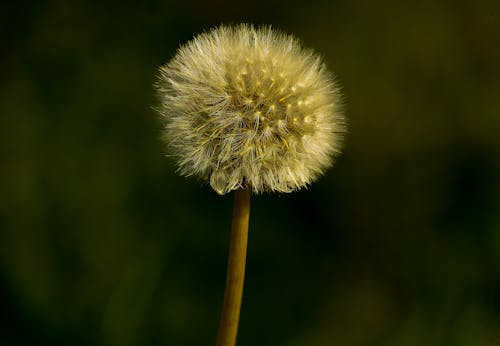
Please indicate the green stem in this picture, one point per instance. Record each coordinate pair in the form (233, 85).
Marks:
(228, 326)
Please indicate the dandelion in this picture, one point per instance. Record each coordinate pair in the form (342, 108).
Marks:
(248, 109)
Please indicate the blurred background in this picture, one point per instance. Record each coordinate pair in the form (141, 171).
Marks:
(101, 243)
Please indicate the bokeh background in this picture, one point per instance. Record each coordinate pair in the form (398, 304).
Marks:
(101, 243)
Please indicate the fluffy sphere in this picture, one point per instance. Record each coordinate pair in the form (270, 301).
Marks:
(248, 107)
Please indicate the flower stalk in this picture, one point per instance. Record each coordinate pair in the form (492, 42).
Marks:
(228, 326)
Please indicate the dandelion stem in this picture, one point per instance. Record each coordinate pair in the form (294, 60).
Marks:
(228, 327)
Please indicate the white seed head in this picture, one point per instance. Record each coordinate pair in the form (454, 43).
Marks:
(248, 107)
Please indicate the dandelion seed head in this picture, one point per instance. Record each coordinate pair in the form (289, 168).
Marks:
(248, 107)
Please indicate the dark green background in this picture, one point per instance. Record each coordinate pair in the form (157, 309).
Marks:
(101, 243)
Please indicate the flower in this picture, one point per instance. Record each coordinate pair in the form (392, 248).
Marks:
(248, 107)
